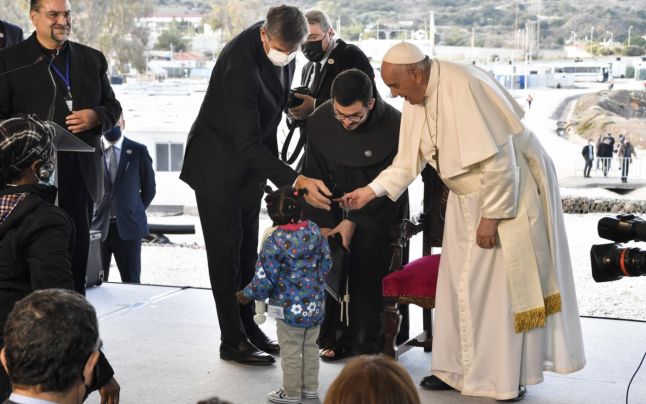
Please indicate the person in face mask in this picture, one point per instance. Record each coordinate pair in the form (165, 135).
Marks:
(36, 237)
(327, 57)
(120, 216)
(231, 150)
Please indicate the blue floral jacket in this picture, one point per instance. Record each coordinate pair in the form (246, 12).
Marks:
(291, 270)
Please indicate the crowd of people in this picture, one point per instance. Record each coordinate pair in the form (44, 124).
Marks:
(605, 152)
(505, 295)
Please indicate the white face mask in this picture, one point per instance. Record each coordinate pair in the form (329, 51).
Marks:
(279, 58)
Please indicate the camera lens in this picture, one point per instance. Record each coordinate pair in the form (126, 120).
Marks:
(613, 261)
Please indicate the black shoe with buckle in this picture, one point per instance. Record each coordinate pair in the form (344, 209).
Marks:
(434, 383)
(246, 354)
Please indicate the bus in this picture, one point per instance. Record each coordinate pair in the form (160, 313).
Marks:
(585, 71)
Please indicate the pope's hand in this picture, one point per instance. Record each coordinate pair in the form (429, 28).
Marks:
(318, 195)
(357, 199)
(486, 233)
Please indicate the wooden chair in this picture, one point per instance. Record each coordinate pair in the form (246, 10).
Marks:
(416, 281)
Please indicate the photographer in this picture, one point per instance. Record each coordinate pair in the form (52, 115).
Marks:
(327, 56)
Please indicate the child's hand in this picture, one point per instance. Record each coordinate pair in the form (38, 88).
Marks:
(242, 299)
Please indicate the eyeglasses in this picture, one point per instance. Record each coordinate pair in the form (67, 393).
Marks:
(53, 15)
(351, 118)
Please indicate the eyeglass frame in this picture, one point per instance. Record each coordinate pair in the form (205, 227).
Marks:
(354, 119)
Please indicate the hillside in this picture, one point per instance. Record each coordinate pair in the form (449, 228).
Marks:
(490, 23)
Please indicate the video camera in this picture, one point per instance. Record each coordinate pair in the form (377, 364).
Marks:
(613, 261)
(293, 101)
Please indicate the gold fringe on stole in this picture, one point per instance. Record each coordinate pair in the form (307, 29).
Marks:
(553, 304)
(527, 320)
(534, 318)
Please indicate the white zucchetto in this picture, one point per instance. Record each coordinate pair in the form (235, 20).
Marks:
(404, 53)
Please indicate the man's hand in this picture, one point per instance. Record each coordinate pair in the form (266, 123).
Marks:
(346, 230)
(325, 231)
(305, 109)
(318, 195)
(79, 121)
(242, 299)
(357, 199)
(110, 392)
(487, 233)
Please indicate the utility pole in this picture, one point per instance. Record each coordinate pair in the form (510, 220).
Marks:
(591, 34)
(431, 33)
(538, 27)
(629, 28)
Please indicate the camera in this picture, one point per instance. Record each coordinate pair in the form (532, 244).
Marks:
(614, 261)
(293, 101)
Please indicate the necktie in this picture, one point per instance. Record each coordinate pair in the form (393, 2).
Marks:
(315, 77)
(113, 164)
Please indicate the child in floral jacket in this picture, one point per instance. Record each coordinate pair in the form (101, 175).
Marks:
(291, 270)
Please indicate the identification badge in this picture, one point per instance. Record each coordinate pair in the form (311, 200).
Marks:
(69, 101)
(275, 312)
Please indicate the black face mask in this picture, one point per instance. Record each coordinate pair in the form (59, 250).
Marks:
(113, 135)
(313, 50)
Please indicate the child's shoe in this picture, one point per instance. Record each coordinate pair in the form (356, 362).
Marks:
(280, 396)
(310, 395)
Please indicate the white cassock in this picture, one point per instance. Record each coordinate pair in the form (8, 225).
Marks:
(503, 315)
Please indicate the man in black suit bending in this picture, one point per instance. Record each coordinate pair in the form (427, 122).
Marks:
(84, 103)
(9, 34)
(231, 149)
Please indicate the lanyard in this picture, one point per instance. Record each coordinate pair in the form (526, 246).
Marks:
(66, 78)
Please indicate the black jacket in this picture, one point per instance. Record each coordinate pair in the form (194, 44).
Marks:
(232, 145)
(343, 57)
(36, 245)
(12, 34)
(30, 91)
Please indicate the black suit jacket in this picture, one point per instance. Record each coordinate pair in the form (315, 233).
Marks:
(12, 33)
(131, 193)
(586, 152)
(232, 145)
(30, 91)
(343, 57)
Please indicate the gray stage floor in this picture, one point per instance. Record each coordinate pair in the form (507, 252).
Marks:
(163, 343)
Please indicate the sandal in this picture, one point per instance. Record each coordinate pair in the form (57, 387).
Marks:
(337, 353)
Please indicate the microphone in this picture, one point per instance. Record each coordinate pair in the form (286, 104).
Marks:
(52, 105)
(38, 60)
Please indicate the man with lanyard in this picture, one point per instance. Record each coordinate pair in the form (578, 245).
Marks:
(328, 56)
(81, 101)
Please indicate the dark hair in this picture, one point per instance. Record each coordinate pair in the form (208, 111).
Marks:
(34, 5)
(372, 379)
(285, 205)
(351, 86)
(48, 338)
(286, 24)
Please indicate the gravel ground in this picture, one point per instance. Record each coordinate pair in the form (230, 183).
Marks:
(183, 263)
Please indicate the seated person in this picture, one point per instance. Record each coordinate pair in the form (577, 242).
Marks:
(352, 137)
(36, 237)
(372, 379)
(51, 347)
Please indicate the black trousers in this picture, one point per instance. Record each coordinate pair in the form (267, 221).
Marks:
(588, 167)
(231, 237)
(74, 199)
(369, 261)
(127, 253)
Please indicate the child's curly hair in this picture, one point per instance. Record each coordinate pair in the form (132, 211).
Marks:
(284, 205)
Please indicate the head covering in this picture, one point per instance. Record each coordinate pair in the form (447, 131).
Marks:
(404, 53)
(23, 140)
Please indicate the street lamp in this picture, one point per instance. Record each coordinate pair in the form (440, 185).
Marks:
(612, 37)
(591, 34)
(573, 37)
(629, 28)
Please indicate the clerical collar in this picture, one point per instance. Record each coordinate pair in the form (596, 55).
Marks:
(50, 52)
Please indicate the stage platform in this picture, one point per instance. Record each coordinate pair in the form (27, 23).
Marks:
(163, 344)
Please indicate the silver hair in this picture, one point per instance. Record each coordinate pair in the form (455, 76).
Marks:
(424, 64)
(318, 17)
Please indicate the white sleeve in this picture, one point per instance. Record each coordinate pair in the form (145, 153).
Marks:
(500, 177)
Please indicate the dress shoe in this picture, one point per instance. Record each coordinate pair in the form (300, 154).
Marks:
(265, 344)
(521, 394)
(434, 383)
(245, 353)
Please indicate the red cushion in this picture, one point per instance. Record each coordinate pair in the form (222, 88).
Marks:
(417, 279)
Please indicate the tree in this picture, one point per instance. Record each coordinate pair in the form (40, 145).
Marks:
(233, 16)
(172, 38)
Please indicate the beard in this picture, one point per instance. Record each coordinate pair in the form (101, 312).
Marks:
(60, 33)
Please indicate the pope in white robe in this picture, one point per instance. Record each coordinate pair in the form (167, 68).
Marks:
(506, 306)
